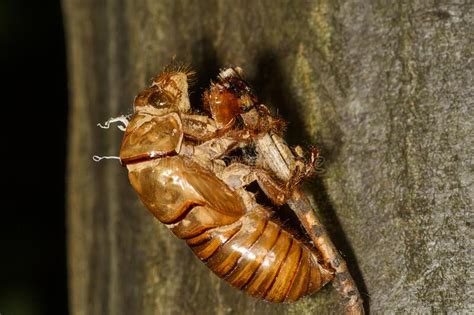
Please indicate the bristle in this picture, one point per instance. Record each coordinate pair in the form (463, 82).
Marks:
(178, 66)
(181, 67)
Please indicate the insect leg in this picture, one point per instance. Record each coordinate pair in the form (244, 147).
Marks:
(238, 175)
(202, 128)
(198, 127)
(303, 167)
(214, 148)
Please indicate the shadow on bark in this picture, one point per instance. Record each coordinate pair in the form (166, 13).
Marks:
(206, 65)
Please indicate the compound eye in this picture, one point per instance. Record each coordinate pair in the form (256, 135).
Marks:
(161, 99)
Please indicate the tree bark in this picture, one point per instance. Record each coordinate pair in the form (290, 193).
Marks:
(385, 91)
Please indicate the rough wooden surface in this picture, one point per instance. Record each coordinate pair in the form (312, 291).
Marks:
(385, 90)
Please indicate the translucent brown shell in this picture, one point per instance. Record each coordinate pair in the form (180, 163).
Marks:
(247, 249)
(240, 244)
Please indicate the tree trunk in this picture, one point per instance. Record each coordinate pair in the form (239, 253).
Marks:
(384, 90)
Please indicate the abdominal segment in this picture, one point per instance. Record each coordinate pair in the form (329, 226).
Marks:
(257, 256)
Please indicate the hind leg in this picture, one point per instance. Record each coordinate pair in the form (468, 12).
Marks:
(239, 175)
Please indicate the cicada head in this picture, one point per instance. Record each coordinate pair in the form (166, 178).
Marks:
(169, 91)
(155, 130)
(229, 97)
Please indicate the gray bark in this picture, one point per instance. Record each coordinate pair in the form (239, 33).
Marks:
(384, 88)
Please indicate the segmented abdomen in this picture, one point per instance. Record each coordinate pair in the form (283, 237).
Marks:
(244, 247)
(256, 255)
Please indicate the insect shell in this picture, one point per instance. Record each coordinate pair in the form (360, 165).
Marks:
(175, 169)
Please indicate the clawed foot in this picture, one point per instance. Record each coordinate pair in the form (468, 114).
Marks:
(280, 192)
(304, 168)
(268, 123)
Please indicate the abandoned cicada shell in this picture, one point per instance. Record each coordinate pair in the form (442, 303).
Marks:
(177, 164)
(175, 168)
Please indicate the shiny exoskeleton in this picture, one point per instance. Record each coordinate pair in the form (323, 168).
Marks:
(173, 159)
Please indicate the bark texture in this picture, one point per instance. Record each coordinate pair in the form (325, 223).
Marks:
(384, 88)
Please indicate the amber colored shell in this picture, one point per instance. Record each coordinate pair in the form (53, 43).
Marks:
(256, 255)
(172, 187)
(241, 245)
(150, 136)
(246, 249)
(223, 105)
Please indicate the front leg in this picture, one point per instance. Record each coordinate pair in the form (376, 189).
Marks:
(199, 127)
(216, 141)
(238, 175)
(215, 148)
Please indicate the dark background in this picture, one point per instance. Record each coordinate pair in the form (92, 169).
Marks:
(33, 150)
